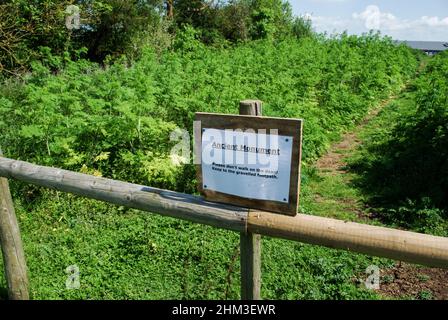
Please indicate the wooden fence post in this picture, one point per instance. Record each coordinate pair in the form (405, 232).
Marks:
(11, 245)
(250, 243)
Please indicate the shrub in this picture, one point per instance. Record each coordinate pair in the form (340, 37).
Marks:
(406, 169)
(117, 121)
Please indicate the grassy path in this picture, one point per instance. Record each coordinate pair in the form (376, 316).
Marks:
(331, 189)
(332, 192)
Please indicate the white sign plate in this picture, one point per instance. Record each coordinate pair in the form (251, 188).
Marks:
(247, 164)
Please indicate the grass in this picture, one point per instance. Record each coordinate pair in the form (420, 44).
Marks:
(382, 125)
(127, 254)
(332, 196)
(417, 214)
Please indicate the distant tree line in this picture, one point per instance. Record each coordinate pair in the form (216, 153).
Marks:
(31, 29)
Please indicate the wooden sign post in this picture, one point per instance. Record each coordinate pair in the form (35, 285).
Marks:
(249, 161)
(250, 243)
(11, 246)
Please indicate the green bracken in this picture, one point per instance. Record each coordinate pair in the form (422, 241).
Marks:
(116, 122)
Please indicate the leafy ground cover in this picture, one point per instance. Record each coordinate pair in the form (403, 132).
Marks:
(116, 122)
(338, 189)
(403, 164)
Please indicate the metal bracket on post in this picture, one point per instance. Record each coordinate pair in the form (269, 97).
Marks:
(250, 243)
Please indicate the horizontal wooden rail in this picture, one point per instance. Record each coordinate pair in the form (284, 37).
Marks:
(363, 238)
(372, 240)
(169, 203)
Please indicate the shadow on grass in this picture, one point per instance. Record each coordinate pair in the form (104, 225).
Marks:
(3, 293)
(405, 175)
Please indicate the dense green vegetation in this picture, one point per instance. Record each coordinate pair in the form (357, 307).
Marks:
(112, 29)
(105, 99)
(404, 167)
(126, 254)
(117, 121)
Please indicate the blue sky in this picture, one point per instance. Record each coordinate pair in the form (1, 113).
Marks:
(401, 19)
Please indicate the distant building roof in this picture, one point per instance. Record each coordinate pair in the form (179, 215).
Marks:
(427, 45)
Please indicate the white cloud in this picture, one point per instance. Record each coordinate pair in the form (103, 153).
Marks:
(372, 18)
(434, 22)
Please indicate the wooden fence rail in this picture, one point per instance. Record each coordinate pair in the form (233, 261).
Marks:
(372, 240)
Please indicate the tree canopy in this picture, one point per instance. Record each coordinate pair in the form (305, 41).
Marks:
(112, 28)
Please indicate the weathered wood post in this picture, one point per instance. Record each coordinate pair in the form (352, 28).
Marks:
(250, 243)
(11, 245)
